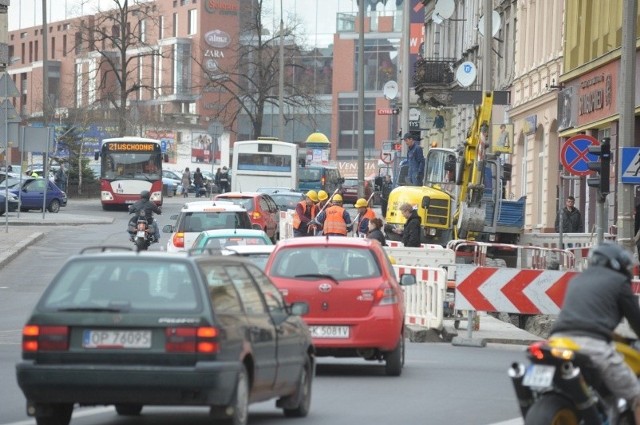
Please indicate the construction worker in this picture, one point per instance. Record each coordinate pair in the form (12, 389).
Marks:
(365, 214)
(335, 220)
(305, 212)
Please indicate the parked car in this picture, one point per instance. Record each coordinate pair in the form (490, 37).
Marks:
(350, 190)
(223, 238)
(196, 217)
(287, 200)
(32, 195)
(131, 330)
(262, 210)
(12, 204)
(356, 302)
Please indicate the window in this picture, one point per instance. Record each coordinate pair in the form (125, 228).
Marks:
(143, 31)
(175, 24)
(30, 51)
(35, 46)
(380, 66)
(23, 52)
(348, 119)
(161, 28)
(222, 293)
(53, 48)
(247, 289)
(78, 85)
(78, 46)
(273, 297)
(192, 22)
(64, 45)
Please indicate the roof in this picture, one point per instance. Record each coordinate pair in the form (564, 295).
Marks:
(238, 195)
(211, 206)
(249, 249)
(329, 241)
(235, 232)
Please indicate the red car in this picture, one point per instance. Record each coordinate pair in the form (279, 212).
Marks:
(356, 304)
(262, 210)
(350, 190)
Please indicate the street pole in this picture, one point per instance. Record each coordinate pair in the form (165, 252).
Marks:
(406, 72)
(6, 151)
(281, 79)
(362, 9)
(626, 130)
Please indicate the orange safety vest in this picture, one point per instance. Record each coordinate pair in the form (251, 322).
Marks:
(334, 221)
(296, 217)
(369, 214)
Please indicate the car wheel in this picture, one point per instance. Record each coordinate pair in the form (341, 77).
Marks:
(301, 399)
(240, 406)
(54, 206)
(60, 415)
(394, 360)
(128, 409)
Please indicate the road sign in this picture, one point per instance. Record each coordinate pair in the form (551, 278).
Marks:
(387, 146)
(414, 125)
(575, 155)
(387, 111)
(631, 165)
(387, 157)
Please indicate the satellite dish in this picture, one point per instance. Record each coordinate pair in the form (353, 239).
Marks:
(495, 24)
(444, 9)
(436, 18)
(466, 74)
(390, 90)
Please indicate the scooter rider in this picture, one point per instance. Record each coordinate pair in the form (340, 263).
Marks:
(595, 302)
(144, 204)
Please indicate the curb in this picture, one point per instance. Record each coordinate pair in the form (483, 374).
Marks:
(21, 246)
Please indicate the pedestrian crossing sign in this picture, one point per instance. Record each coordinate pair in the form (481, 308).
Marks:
(631, 165)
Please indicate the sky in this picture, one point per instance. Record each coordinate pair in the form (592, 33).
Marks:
(314, 14)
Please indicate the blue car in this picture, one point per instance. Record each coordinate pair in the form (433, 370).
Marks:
(32, 194)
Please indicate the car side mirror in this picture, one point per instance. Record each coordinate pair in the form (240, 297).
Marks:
(168, 228)
(299, 308)
(407, 280)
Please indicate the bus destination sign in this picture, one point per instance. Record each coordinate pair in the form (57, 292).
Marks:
(132, 147)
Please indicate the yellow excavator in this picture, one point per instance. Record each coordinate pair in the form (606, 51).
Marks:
(462, 194)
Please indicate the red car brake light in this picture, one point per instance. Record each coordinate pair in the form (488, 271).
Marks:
(45, 338)
(256, 215)
(323, 179)
(191, 340)
(178, 240)
(385, 295)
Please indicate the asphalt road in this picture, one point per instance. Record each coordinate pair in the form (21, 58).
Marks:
(440, 384)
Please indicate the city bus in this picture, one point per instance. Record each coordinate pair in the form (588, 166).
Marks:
(264, 163)
(129, 165)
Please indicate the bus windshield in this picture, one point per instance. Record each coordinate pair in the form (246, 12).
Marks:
(264, 162)
(119, 165)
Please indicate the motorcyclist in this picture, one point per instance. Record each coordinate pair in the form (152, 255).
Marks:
(595, 302)
(144, 204)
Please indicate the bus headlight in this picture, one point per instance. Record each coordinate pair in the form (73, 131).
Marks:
(106, 196)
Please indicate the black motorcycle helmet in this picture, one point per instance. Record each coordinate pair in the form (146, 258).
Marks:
(145, 195)
(612, 256)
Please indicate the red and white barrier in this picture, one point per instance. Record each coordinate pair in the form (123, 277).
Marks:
(424, 302)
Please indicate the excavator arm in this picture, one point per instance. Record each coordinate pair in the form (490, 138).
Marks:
(470, 214)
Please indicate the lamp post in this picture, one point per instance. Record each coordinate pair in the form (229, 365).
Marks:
(281, 80)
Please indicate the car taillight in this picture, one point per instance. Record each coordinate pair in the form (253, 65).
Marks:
(191, 340)
(323, 179)
(45, 338)
(178, 240)
(385, 295)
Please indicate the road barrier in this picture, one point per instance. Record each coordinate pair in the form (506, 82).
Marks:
(424, 302)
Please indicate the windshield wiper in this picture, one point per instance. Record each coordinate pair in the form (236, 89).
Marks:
(320, 276)
(92, 309)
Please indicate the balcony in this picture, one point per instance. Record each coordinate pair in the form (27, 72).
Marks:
(433, 79)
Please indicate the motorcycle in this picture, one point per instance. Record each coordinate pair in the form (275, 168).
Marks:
(560, 386)
(142, 233)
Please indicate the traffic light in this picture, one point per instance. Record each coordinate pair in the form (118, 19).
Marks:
(602, 167)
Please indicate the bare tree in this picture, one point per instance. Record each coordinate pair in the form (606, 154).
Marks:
(249, 80)
(109, 37)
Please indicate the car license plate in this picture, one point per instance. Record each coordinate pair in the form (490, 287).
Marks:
(329, 331)
(130, 339)
(140, 234)
(540, 376)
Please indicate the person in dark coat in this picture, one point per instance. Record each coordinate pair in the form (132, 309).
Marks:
(385, 191)
(375, 231)
(412, 228)
(198, 182)
(571, 218)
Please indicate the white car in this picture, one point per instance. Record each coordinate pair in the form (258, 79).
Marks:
(196, 217)
(257, 254)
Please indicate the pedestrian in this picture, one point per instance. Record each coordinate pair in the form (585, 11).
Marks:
(61, 178)
(365, 214)
(571, 218)
(224, 180)
(594, 304)
(186, 182)
(198, 182)
(412, 228)
(385, 191)
(415, 160)
(335, 220)
(216, 179)
(305, 213)
(375, 231)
